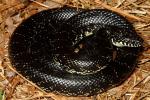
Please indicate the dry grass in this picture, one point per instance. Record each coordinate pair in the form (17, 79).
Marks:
(14, 87)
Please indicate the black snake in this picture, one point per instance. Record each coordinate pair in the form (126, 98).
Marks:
(75, 52)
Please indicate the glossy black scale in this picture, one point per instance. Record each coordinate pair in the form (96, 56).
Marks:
(71, 52)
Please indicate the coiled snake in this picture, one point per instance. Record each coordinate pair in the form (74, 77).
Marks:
(75, 52)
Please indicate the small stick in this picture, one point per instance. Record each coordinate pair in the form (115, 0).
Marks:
(41, 4)
(142, 97)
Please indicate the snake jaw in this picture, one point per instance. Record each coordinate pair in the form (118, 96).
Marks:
(126, 42)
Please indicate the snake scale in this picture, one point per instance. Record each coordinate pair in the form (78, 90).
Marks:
(75, 52)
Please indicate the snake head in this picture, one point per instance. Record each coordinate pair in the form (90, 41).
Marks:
(126, 42)
(125, 38)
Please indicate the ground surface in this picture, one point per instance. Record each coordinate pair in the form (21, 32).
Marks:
(15, 87)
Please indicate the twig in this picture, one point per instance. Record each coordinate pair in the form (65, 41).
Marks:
(120, 3)
(41, 4)
(40, 96)
(144, 26)
(143, 96)
(140, 81)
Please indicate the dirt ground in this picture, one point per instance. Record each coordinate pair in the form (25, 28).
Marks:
(15, 87)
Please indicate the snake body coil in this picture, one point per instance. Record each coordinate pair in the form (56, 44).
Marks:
(72, 52)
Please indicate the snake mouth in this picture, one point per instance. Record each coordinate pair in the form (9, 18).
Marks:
(126, 42)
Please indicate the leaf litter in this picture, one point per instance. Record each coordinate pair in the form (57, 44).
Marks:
(13, 86)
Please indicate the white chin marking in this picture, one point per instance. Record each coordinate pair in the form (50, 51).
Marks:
(88, 33)
(118, 44)
(121, 44)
